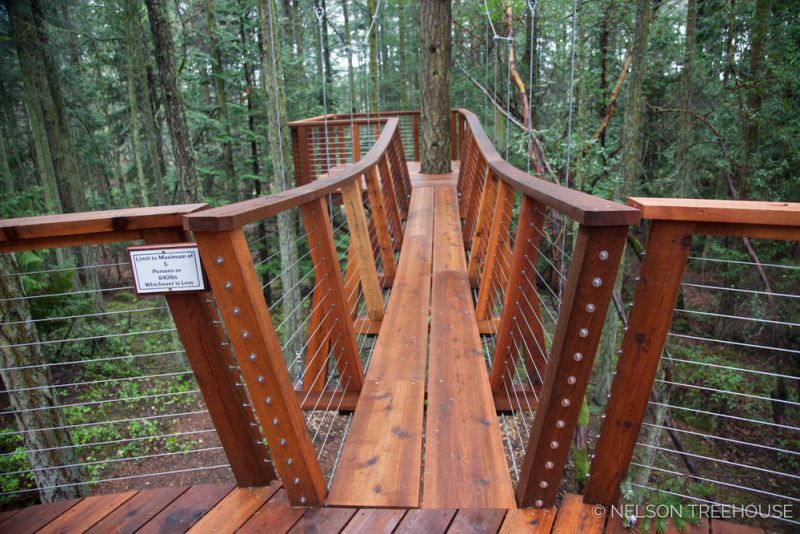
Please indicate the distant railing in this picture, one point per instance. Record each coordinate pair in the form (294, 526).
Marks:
(96, 391)
(311, 352)
(543, 260)
(704, 406)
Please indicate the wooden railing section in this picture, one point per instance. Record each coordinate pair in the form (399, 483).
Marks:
(233, 278)
(201, 338)
(673, 225)
(487, 186)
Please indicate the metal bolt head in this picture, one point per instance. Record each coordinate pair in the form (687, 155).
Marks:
(236, 311)
(219, 260)
(282, 442)
(584, 332)
(260, 379)
(597, 282)
(252, 357)
(571, 380)
(245, 334)
(603, 255)
(590, 308)
(276, 421)
(296, 481)
(228, 286)
(578, 356)
(268, 401)
(543, 484)
(303, 500)
(290, 461)
(553, 444)
(539, 503)
(565, 402)
(548, 465)
(560, 423)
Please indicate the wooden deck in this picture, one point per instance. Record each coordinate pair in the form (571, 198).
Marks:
(224, 508)
(430, 306)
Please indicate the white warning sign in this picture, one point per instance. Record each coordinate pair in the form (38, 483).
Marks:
(166, 269)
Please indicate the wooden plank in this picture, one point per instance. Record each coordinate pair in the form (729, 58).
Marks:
(226, 402)
(480, 238)
(615, 525)
(539, 520)
(230, 270)
(575, 516)
(34, 518)
(718, 211)
(355, 134)
(756, 231)
(186, 510)
(323, 520)
(380, 461)
(344, 401)
(465, 464)
(235, 509)
(489, 326)
(480, 521)
(275, 517)
(378, 217)
(374, 521)
(363, 325)
(95, 222)
(86, 513)
(415, 135)
(498, 234)
(359, 237)
(5, 516)
(315, 375)
(137, 511)
(391, 201)
(726, 527)
(428, 521)
(595, 259)
(668, 247)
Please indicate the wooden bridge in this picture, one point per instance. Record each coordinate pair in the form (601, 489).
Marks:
(484, 292)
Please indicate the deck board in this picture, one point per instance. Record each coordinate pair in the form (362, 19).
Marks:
(465, 465)
(182, 513)
(235, 509)
(34, 518)
(86, 513)
(137, 511)
(381, 458)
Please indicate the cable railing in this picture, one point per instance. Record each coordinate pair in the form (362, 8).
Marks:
(704, 406)
(101, 389)
(542, 260)
(304, 333)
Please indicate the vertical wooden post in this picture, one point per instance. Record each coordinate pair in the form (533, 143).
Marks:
(595, 261)
(466, 149)
(519, 293)
(230, 271)
(379, 221)
(355, 132)
(390, 201)
(400, 173)
(480, 238)
(342, 159)
(301, 153)
(326, 270)
(316, 371)
(453, 140)
(668, 247)
(227, 403)
(498, 233)
(323, 149)
(415, 130)
(359, 237)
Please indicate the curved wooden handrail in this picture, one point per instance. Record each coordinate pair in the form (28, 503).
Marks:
(719, 211)
(239, 214)
(584, 208)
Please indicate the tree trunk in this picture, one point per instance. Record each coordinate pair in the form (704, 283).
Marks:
(131, 42)
(188, 184)
(435, 18)
(218, 72)
(401, 45)
(251, 119)
(755, 92)
(350, 80)
(18, 329)
(373, 57)
(279, 147)
(685, 135)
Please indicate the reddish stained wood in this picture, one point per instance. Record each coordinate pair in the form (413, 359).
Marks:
(415, 135)
(225, 401)
(86, 513)
(315, 375)
(453, 146)
(374, 521)
(719, 211)
(756, 231)
(137, 511)
(327, 271)
(258, 351)
(5, 516)
(94, 222)
(615, 525)
(591, 276)
(352, 281)
(186, 510)
(478, 521)
(275, 517)
(323, 520)
(338, 398)
(69, 241)
(539, 520)
(726, 527)
(575, 516)
(235, 509)
(466, 155)
(380, 461)
(364, 325)
(668, 247)
(33, 518)
(391, 201)
(521, 322)
(465, 464)
(400, 172)
(498, 233)
(428, 521)
(483, 225)
(378, 217)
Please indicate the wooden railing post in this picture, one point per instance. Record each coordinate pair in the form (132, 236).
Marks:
(391, 204)
(668, 247)
(595, 261)
(230, 271)
(360, 240)
(496, 240)
(355, 134)
(453, 140)
(227, 404)
(415, 135)
(483, 225)
(396, 152)
(521, 299)
(379, 221)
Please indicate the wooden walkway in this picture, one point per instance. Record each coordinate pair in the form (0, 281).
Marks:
(463, 464)
(223, 509)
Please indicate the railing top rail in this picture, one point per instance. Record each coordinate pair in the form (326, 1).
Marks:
(239, 214)
(584, 208)
(15, 233)
(719, 211)
(345, 117)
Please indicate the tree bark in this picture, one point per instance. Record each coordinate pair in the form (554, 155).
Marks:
(350, 77)
(435, 18)
(129, 11)
(685, 133)
(188, 184)
(755, 91)
(16, 328)
(401, 45)
(373, 57)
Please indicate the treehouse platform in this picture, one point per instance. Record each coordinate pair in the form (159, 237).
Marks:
(420, 364)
